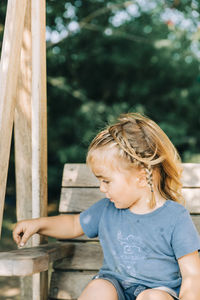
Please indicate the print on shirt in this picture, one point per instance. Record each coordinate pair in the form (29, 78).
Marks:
(132, 251)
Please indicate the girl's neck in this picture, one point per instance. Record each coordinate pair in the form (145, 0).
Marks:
(142, 206)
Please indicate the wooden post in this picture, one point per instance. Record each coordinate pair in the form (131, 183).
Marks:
(23, 126)
(31, 119)
(39, 110)
(31, 136)
(23, 140)
(39, 131)
(9, 67)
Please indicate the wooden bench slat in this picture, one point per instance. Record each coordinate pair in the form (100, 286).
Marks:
(79, 175)
(81, 256)
(28, 261)
(79, 199)
(196, 220)
(192, 198)
(191, 175)
(69, 285)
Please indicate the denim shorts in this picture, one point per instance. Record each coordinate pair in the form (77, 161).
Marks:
(132, 292)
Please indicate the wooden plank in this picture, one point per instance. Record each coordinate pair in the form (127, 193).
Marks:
(81, 256)
(69, 285)
(9, 67)
(28, 261)
(82, 238)
(23, 141)
(79, 199)
(196, 220)
(192, 199)
(191, 175)
(23, 126)
(39, 131)
(39, 110)
(79, 175)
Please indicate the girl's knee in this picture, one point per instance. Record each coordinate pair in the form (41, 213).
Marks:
(99, 289)
(153, 294)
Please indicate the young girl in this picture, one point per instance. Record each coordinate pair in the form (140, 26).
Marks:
(149, 242)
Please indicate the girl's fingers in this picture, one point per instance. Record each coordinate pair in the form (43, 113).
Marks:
(18, 234)
(23, 231)
(24, 238)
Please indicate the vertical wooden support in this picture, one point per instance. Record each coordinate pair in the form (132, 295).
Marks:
(39, 110)
(8, 82)
(39, 130)
(31, 136)
(23, 125)
(23, 139)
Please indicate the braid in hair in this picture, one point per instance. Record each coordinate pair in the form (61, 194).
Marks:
(142, 142)
(149, 177)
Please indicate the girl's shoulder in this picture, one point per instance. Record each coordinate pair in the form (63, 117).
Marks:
(175, 205)
(176, 208)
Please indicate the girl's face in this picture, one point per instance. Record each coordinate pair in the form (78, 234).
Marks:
(122, 186)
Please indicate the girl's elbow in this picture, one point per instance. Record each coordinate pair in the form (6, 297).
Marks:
(78, 231)
(191, 287)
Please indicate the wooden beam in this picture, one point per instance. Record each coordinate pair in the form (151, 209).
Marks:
(79, 175)
(23, 125)
(31, 136)
(39, 132)
(10, 58)
(23, 140)
(28, 261)
(39, 110)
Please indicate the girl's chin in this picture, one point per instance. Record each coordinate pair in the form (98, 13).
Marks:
(117, 205)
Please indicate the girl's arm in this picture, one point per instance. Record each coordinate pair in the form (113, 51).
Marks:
(61, 227)
(190, 270)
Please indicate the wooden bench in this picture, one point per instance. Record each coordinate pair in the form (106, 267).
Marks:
(76, 261)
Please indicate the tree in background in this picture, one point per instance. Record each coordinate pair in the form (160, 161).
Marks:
(109, 57)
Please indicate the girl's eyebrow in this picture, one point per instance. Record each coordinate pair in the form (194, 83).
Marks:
(100, 176)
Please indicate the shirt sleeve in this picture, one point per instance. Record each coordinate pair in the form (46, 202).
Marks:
(90, 218)
(185, 238)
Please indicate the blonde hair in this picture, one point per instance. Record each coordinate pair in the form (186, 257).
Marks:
(142, 143)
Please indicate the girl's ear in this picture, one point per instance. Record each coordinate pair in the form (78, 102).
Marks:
(142, 178)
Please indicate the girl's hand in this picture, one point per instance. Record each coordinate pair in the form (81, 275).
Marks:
(24, 230)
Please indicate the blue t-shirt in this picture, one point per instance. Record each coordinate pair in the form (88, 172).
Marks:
(142, 248)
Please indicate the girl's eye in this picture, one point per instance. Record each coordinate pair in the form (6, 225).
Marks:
(105, 181)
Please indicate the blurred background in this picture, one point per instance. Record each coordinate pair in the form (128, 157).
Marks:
(109, 57)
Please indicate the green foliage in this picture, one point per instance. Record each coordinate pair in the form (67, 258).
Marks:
(109, 57)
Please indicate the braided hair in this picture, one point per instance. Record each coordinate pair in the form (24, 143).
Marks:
(142, 143)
